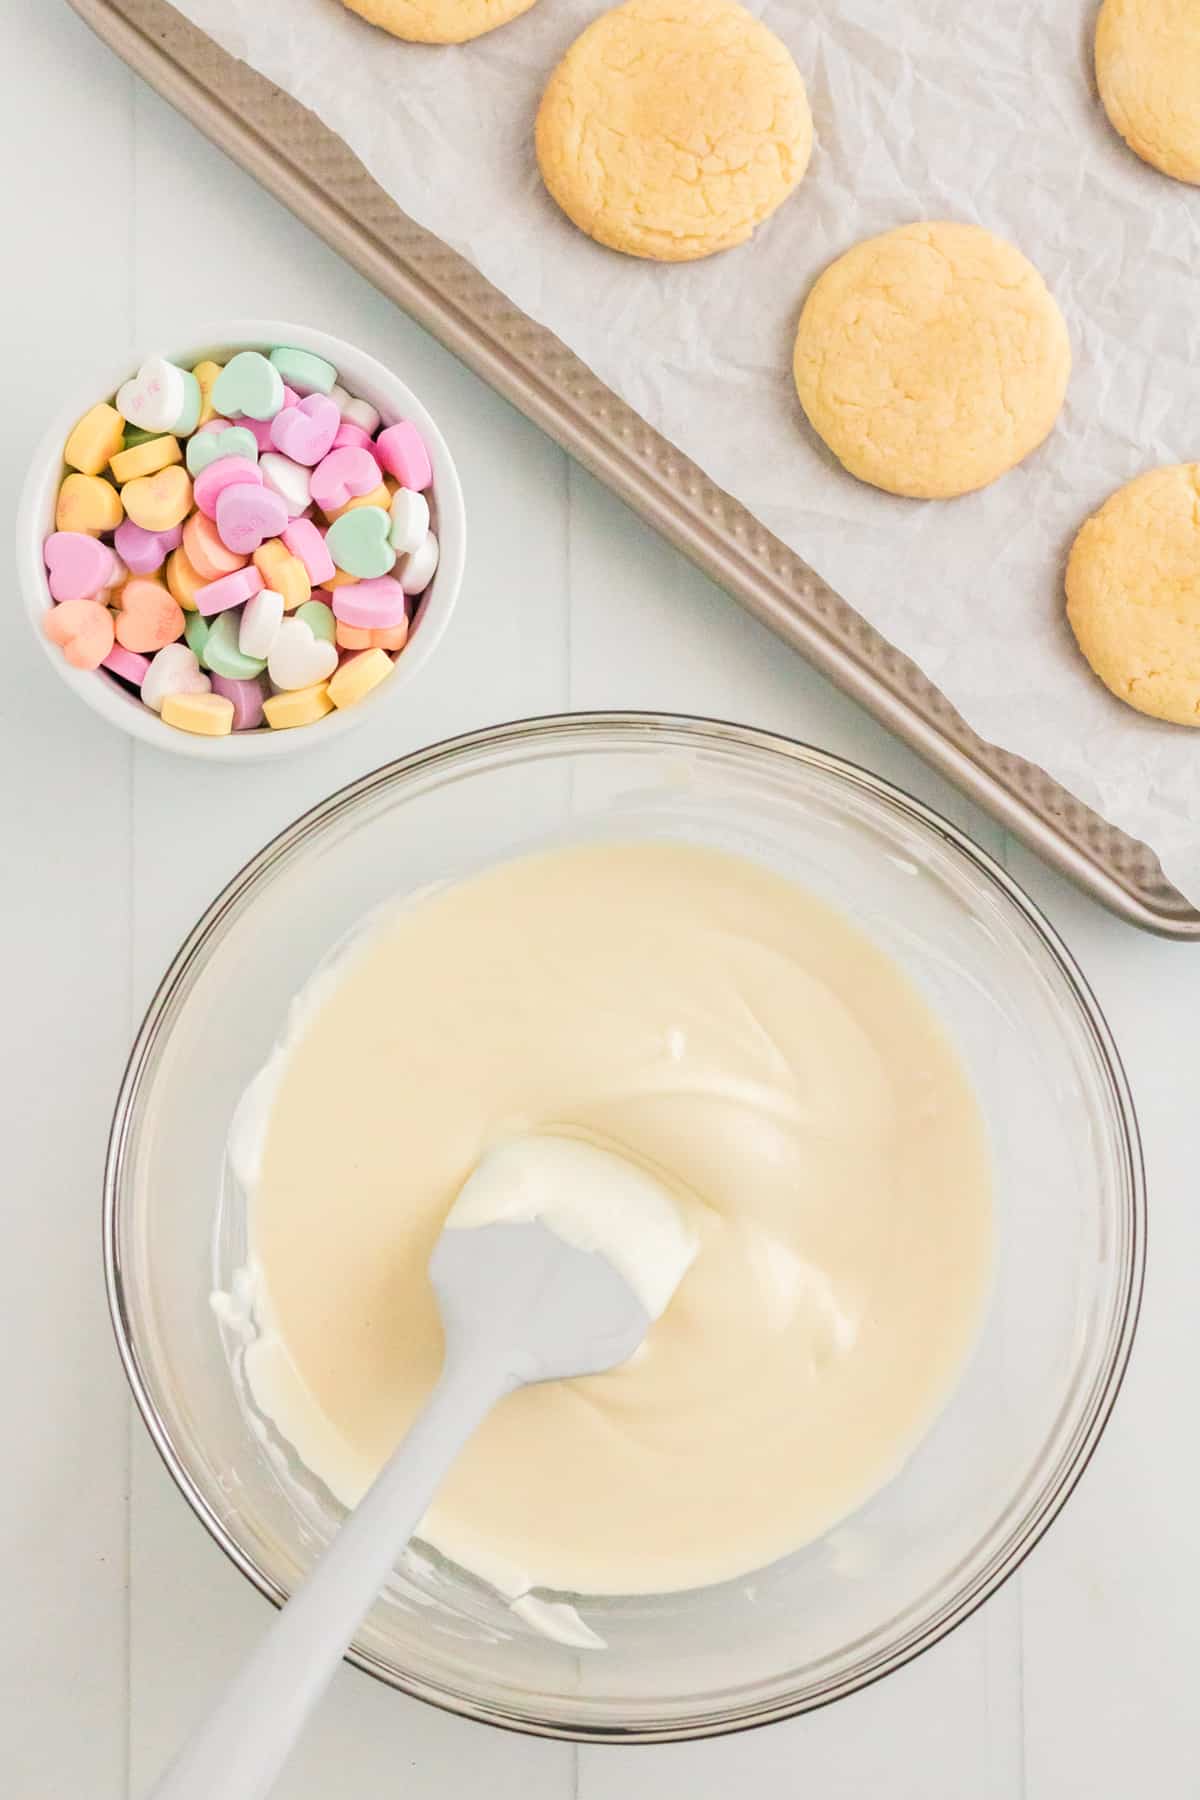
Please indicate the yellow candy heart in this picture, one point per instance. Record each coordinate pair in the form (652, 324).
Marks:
(182, 579)
(284, 573)
(206, 373)
(145, 459)
(207, 715)
(88, 503)
(299, 706)
(98, 435)
(378, 496)
(156, 502)
(358, 675)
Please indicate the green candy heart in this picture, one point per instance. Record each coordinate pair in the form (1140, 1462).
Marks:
(304, 372)
(248, 385)
(189, 418)
(360, 542)
(196, 629)
(209, 446)
(319, 619)
(221, 653)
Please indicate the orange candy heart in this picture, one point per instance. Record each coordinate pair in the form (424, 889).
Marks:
(83, 630)
(205, 551)
(157, 502)
(356, 637)
(88, 503)
(149, 618)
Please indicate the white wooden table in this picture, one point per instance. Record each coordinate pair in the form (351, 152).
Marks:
(125, 229)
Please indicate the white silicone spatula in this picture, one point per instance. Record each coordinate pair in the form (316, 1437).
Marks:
(556, 1258)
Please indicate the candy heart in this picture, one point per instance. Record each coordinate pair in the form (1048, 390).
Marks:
(145, 459)
(230, 590)
(227, 471)
(290, 480)
(149, 618)
(183, 579)
(358, 675)
(358, 542)
(205, 551)
(206, 373)
(353, 437)
(155, 397)
(302, 370)
(222, 654)
(360, 413)
(261, 428)
(83, 630)
(354, 637)
(246, 514)
(206, 715)
(88, 503)
(173, 671)
(247, 699)
(307, 541)
(210, 446)
(261, 619)
(144, 552)
(195, 633)
(283, 572)
(415, 572)
(157, 502)
(401, 451)
(79, 566)
(373, 605)
(127, 664)
(99, 434)
(410, 520)
(319, 619)
(298, 659)
(248, 384)
(306, 431)
(343, 475)
(193, 402)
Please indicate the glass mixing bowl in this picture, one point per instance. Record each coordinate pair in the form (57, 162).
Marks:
(1070, 1220)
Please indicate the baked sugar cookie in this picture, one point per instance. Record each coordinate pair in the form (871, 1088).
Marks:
(931, 359)
(1133, 593)
(438, 21)
(671, 128)
(1148, 71)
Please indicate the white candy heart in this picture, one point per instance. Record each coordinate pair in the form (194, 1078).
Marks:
(261, 619)
(173, 671)
(339, 396)
(410, 521)
(298, 659)
(415, 572)
(154, 399)
(289, 480)
(360, 413)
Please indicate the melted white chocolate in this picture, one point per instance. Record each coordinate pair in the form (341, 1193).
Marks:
(719, 1025)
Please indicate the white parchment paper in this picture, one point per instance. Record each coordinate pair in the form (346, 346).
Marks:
(973, 109)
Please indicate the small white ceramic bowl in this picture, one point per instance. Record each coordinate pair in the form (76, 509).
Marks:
(362, 376)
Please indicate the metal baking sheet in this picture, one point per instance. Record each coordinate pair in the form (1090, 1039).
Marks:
(311, 171)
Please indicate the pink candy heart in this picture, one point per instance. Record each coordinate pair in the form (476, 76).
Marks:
(79, 566)
(247, 514)
(401, 451)
(353, 437)
(306, 432)
(344, 475)
(143, 552)
(227, 471)
(307, 541)
(371, 605)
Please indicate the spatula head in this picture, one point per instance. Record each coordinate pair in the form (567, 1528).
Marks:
(520, 1294)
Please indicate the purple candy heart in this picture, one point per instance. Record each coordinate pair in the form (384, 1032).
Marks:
(246, 514)
(306, 431)
(247, 697)
(144, 551)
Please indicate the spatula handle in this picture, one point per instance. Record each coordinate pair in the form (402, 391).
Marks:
(241, 1747)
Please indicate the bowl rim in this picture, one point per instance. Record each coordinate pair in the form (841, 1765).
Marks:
(1076, 1456)
(121, 709)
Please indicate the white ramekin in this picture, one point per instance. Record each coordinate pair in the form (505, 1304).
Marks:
(361, 375)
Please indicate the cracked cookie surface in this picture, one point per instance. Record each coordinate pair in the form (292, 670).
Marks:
(438, 21)
(931, 359)
(1148, 73)
(671, 128)
(1133, 593)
